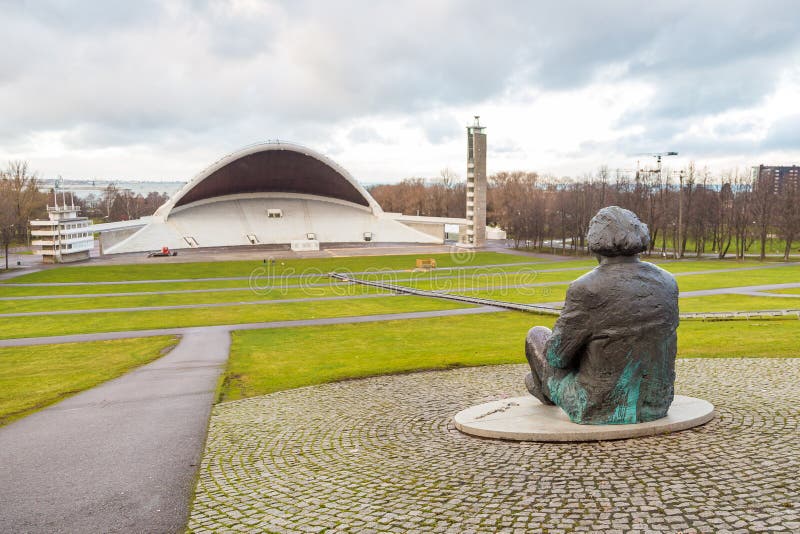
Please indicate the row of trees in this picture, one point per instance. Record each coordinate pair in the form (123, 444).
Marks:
(120, 204)
(22, 199)
(687, 212)
(443, 196)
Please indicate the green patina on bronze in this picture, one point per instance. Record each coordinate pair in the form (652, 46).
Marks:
(610, 358)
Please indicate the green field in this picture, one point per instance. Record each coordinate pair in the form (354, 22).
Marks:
(720, 274)
(489, 282)
(264, 361)
(34, 377)
(55, 325)
(774, 275)
(172, 271)
(244, 295)
(7, 290)
(529, 295)
(728, 303)
(269, 360)
(791, 291)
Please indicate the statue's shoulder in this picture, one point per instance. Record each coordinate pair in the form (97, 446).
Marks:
(585, 279)
(655, 268)
(657, 272)
(585, 284)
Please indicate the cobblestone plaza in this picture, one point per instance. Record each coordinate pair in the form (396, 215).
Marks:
(382, 455)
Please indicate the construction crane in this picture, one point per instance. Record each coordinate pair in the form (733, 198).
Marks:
(677, 243)
(658, 155)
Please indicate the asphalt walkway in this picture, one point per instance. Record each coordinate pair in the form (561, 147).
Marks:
(104, 336)
(741, 290)
(121, 457)
(14, 273)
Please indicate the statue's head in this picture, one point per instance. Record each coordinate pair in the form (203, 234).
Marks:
(615, 231)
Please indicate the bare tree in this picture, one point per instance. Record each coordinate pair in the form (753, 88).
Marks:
(21, 200)
(714, 212)
(7, 218)
(789, 216)
(763, 188)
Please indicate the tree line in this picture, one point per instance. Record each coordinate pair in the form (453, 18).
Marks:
(688, 212)
(22, 199)
(115, 204)
(443, 196)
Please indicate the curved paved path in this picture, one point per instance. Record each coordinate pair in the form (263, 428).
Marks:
(740, 290)
(117, 458)
(763, 294)
(382, 454)
(14, 273)
(103, 336)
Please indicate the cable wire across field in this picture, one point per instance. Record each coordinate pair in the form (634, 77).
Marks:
(545, 310)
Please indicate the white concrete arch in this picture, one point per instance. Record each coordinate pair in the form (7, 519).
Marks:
(166, 209)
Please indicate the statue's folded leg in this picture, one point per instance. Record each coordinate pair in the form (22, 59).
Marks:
(541, 371)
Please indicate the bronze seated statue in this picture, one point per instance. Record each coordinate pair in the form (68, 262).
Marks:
(610, 358)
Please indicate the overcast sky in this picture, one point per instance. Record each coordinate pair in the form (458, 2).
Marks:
(160, 90)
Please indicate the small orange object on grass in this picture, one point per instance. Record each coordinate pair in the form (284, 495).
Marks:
(426, 263)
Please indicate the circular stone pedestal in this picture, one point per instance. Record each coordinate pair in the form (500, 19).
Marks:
(527, 419)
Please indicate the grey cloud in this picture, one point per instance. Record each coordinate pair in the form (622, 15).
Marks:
(784, 134)
(81, 16)
(440, 128)
(506, 147)
(119, 73)
(365, 134)
(725, 141)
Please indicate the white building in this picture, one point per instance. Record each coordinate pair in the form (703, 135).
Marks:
(271, 194)
(65, 236)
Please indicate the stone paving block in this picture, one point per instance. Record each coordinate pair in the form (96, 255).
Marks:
(382, 455)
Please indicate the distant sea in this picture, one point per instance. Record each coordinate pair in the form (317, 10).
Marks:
(83, 188)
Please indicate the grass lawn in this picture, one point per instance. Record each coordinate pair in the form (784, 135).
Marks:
(291, 292)
(724, 303)
(692, 265)
(758, 338)
(167, 271)
(89, 288)
(264, 361)
(34, 377)
(711, 303)
(775, 275)
(496, 277)
(791, 291)
(526, 295)
(489, 280)
(55, 325)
